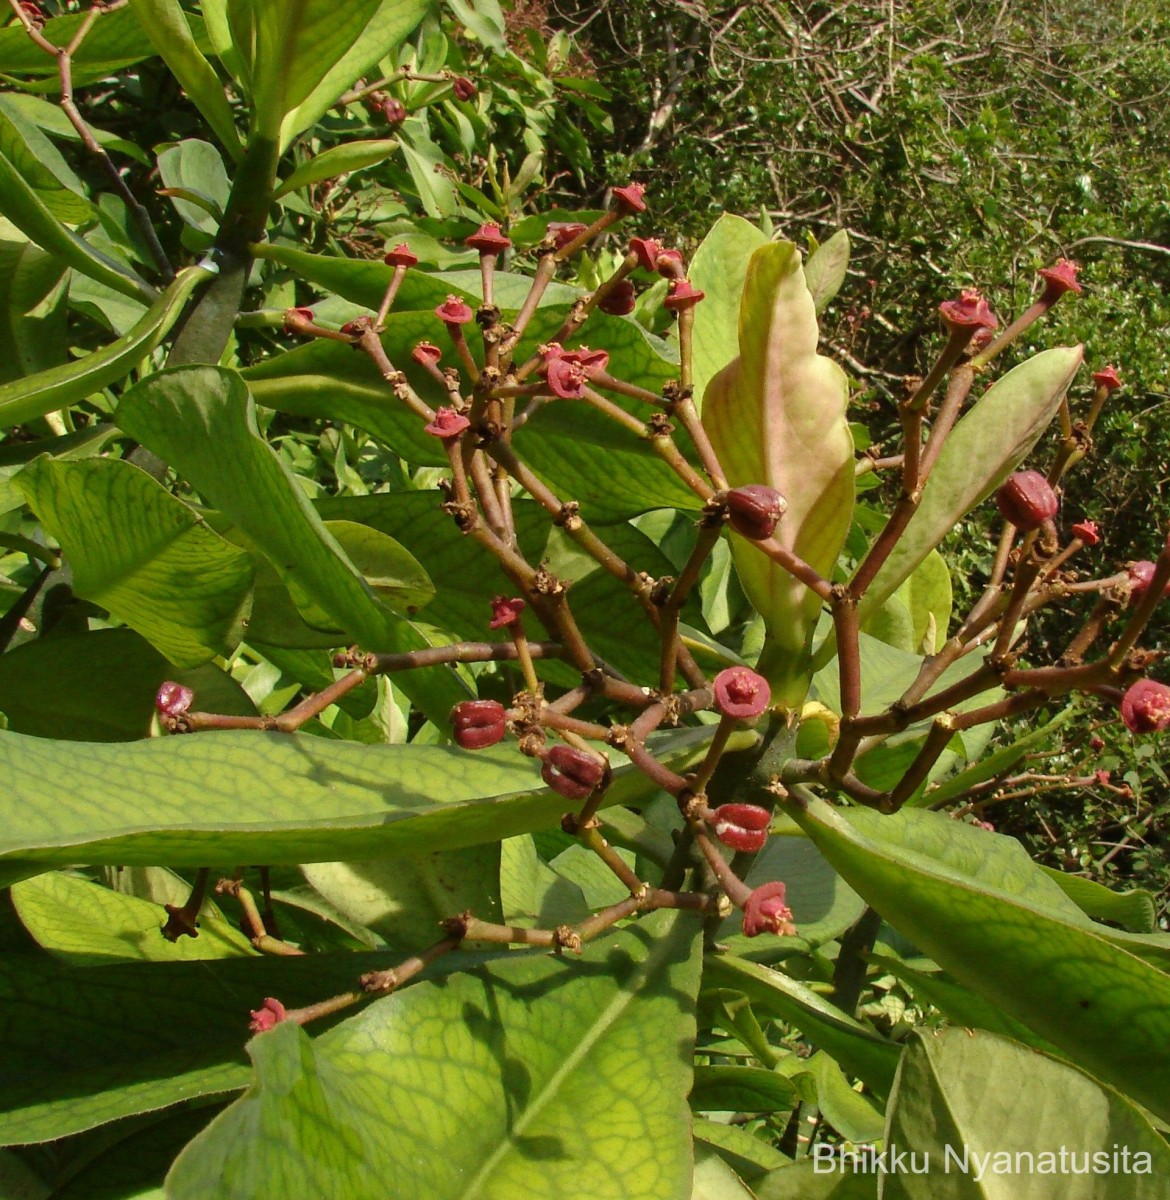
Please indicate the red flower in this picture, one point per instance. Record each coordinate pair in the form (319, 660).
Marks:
(173, 699)
(394, 111)
(401, 256)
(505, 611)
(295, 319)
(741, 693)
(970, 311)
(463, 88)
(742, 826)
(426, 354)
(566, 378)
(267, 1016)
(670, 264)
(620, 300)
(754, 510)
(563, 232)
(571, 772)
(454, 312)
(33, 12)
(592, 362)
(680, 294)
(1145, 707)
(766, 912)
(1107, 378)
(447, 424)
(488, 239)
(1141, 575)
(1087, 532)
(1059, 278)
(647, 251)
(476, 724)
(1027, 500)
(629, 198)
(356, 327)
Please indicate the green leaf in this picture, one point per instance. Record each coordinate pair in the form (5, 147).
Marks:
(824, 272)
(194, 170)
(741, 1089)
(715, 1180)
(100, 686)
(991, 919)
(275, 798)
(394, 574)
(776, 415)
(116, 40)
(449, 1091)
(143, 555)
(747, 1154)
(985, 446)
(967, 1103)
(32, 333)
(89, 925)
(532, 893)
(43, 168)
(804, 1181)
(1134, 910)
(338, 160)
(170, 33)
(484, 20)
(23, 400)
(916, 616)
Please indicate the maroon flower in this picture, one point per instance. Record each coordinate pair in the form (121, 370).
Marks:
(563, 232)
(447, 424)
(463, 88)
(619, 301)
(505, 611)
(766, 912)
(454, 312)
(571, 772)
(680, 294)
(592, 362)
(741, 693)
(566, 378)
(401, 256)
(1059, 278)
(670, 264)
(476, 724)
(295, 319)
(1097, 743)
(1145, 707)
(426, 354)
(1107, 378)
(629, 198)
(173, 699)
(488, 239)
(647, 251)
(1141, 575)
(742, 826)
(267, 1016)
(1027, 500)
(754, 510)
(33, 12)
(970, 311)
(1087, 532)
(355, 328)
(394, 111)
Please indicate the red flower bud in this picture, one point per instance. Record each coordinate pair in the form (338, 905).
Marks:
(742, 826)
(680, 294)
(173, 699)
(1097, 743)
(1145, 707)
(401, 256)
(766, 912)
(647, 251)
(454, 312)
(629, 198)
(1027, 500)
(505, 611)
(394, 111)
(267, 1016)
(295, 319)
(755, 510)
(476, 724)
(1059, 278)
(463, 88)
(1107, 378)
(571, 772)
(986, 825)
(488, 239)
(563, 232)
(1141, 575)
(426, 354)
(33, 12)
(970, 311)
(1087, 532)
(447, 424)
(355, 328)
(620, 300)
(670, 264)
(741, 693)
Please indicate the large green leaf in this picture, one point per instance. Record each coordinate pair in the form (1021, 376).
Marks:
(531, 1076)
(116, 40)
(986, 445)
(274, 798)
(806, 1180)
(824, 272)
(988, 1118)
(32, 334)
(776, 416)
(43, 167)
(1000, 926)
(338, 160)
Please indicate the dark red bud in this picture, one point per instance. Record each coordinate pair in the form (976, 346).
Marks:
(1096, 743)
(267, 1016)
(1141, 575)
(680, 294)
(629, 198)
(476, 724)
(356, 327)
(33, 12)
(670, 264)
(1059, 278)
(571, 772)
(426, 354)
(1107, 378)
(505, 611)
(741, 693)
(767, 912)
(454, 312)
(563, 232)
(1087, 532)
(1145, 707)
(742, 826)
(295, 319)
(646, 250)
(173, 699)
(620, 300)
(755, 510)
(1027, 500)
(463, 88)
(394, 111)
(970, 311)
(401, 256)
(447, 424)
(488, 239)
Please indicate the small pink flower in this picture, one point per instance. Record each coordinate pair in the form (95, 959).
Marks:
(566, 378)
(488, 239)
(401, 256)
(629, 198)
(447, 424)
(1059, 278)
(766, 912)
(670, 264)
(741, 693)
(985, 825)
(970, 311)
(463, 88)
(505, 611)
(563, 232)
(647, 251)
(570, 772)
(742, 826)
(1102, 777)
(267, 1016)
(394, 111)
(426, 354)
(453, 311)
(173, 699)
(476, 724)
(620, 300)
(1107, 378)
(1145, 707)
(680, 294)
(592, 362)
(1141, 575)
(1087, 532)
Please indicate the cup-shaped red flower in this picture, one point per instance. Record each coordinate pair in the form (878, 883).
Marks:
(1141, 575)
(401, 256)
(426, 354)
(647, 251)
(629, 198)
(454, 311)
(754, 510)
(592, 362)
(566, 377)
(394, 111)
(1087, 532)
(447, 424)
(619, 301)
(1027, 500)
(267, 1016)
(969, 311)
(1107, 378)
(463, 88)
(295, 319)
(505, 611)
(571, 772)
(767, 912)
(563, 232)
(488, 239)
(680, 294)
(478, 723)
(670, 264)
(742, 826)
(1059, 278)
(741, 693)
(173, 699)
(1145, 707)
